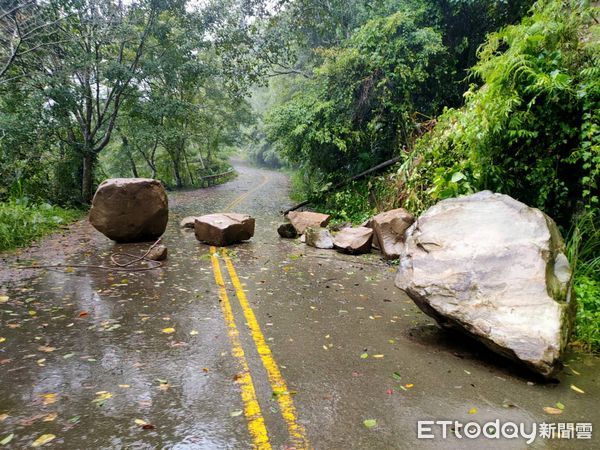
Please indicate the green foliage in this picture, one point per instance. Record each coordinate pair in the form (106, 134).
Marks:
(358, 108)
(354, 203)
(587, 330)
(583, 246)
(532, 129)
(22, 222)
(347, 205)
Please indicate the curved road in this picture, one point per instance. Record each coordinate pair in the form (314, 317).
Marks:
(269, 344)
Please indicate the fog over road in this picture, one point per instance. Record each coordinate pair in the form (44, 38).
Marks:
(269, 344)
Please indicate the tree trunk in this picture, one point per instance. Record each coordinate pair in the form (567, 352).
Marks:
(87, 178)
(125, 144)
(178, 180)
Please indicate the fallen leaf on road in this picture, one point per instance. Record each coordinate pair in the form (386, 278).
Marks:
(408, 386)
(364, 356)
(193, 333)
(140, 422)
(148, 426)
(50, 417)
(46, 349)
(551, 410)
(473, 411)
(7, 439)
(2, 339)
(124, 386)
(3, 417)
(377, 356)
(236, 413)
(43, 439)
(578, 390)
(3, 298)
(101, 397)
(49, 399)
(559, 405)
(83, 314)
(370, 423)
(168, 330)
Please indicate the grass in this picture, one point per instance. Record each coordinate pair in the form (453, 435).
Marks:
(22, 222)
(583, 245)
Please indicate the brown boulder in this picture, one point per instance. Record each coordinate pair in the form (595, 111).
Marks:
(224, 229)
(369, 224)
(354, 240)
(301, 220)
(389, 228)
(287, 230)
(130, 209)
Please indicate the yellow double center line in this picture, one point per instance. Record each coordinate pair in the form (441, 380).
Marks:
(252, 410)
(256, 422)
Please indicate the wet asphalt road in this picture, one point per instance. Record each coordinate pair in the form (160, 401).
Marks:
(306, 347)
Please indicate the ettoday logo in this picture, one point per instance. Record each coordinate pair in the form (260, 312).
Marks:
(442, 429)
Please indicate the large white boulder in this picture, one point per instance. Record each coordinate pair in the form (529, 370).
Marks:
(496, 269)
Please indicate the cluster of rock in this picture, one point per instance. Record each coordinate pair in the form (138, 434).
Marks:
(484, 264)
(137, 209)
(384, 231)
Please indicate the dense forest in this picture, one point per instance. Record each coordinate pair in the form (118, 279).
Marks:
(470, 94)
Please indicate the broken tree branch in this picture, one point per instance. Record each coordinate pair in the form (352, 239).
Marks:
(378, 167)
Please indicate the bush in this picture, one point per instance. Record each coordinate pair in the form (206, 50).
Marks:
(587, 329)
(583, 245)
(532, 129)
(358, 109)
(22, 222)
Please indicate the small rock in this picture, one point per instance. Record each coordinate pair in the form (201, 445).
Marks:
(130, 209)
(188, 222)
(319, 238)
(301, 220)
(287, 230)
(224, 229)
(354, 240)
(303, 238)
(389, 228)
(158, 253)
